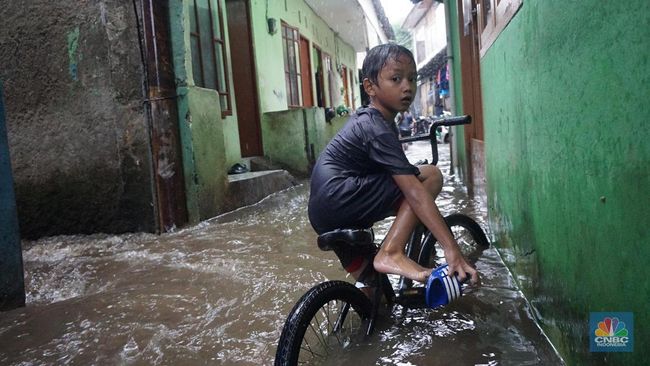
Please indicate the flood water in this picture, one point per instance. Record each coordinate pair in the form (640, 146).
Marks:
(219, 292)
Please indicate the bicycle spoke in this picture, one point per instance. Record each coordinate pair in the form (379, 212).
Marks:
(323, 329)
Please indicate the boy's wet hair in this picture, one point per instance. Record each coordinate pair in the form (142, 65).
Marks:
(377, 57)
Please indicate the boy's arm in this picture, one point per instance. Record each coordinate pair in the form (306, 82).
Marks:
(427, 211)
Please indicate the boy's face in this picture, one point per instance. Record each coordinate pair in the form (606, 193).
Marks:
(395, 87)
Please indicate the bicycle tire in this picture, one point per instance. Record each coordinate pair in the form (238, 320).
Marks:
(472, 240)
(314, 303)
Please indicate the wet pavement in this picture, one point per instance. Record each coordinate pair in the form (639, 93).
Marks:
(219, 292)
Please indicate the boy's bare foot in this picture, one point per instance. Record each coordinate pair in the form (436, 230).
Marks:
(400, 264)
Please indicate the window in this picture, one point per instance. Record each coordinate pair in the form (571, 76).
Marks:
(291, 48)
(319, 76)
(493, 16)
(208, 47)
(419, 51)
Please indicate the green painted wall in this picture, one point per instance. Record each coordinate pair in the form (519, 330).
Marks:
(294, 138)
(209, 142)
(565, 97)
(283, 130)
(269, 51)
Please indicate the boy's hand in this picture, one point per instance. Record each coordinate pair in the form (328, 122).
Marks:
(458, 264)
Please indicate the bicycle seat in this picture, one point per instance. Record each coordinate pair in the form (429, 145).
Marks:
(354, 237)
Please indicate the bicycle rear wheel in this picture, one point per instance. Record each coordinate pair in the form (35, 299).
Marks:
(327, 320)
(468, 234)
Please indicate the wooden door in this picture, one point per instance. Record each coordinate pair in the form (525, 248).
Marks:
(243, 70)
(305, 73)
(472, 100)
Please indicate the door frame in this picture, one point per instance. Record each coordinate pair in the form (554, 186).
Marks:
(470, 64)
(257, 148)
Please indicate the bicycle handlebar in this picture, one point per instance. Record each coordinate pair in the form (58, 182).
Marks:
(431, 136)
(447, 121)
(453, 121)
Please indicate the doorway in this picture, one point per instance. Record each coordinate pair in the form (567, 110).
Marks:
(244, 74)
(305, 71)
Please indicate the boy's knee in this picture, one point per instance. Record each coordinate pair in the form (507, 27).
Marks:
(431, 177)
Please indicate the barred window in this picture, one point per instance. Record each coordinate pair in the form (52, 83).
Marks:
(292, 77)
(208, 47)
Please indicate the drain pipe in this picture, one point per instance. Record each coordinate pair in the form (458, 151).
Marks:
(453, 154)
(162, 113)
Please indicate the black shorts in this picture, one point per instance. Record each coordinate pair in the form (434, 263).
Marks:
(405, 133)
(354, 203)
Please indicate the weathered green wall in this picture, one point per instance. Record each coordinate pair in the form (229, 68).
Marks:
(283, 130)
(294, 138)
(565, 97)
(209, 143)
(269, 51)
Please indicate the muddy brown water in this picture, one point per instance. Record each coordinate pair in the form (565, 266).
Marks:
(219, 292)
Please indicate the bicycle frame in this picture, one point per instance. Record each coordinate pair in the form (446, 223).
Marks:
(419, 248)
(407, 295)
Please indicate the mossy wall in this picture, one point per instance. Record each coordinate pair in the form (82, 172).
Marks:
(209, 142)
(295, 138)
(565, 98)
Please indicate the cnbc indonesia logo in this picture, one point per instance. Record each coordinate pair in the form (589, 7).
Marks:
(611, 333)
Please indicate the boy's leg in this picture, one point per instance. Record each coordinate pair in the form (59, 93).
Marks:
(391, 257)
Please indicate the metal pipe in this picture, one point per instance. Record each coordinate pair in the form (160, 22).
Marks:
(162, 112)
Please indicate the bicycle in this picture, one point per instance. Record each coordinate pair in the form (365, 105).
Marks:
(334, 315)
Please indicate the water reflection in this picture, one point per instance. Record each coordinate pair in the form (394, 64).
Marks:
(218, 293)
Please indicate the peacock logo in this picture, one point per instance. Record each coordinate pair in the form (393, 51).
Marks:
(611, 332)
(611, 327)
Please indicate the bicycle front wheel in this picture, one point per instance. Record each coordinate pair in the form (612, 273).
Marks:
(468, 234)
(328, 320)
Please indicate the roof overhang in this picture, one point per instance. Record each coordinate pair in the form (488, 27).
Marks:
(417, 12)
(346, 18)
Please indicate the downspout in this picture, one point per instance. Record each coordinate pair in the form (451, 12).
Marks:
(452, 104)
(162, 113)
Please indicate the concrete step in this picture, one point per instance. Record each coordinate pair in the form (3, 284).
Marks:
(248, 188)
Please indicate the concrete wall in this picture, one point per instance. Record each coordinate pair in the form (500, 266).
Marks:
(565, 97)
(75, 119)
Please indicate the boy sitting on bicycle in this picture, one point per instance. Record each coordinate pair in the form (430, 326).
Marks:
(363, 176)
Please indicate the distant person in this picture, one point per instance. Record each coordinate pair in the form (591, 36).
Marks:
(405, 126)
(363, 176)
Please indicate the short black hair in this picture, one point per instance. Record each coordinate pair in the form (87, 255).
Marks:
(377, 56)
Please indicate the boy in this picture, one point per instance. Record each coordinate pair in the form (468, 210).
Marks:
(363, 176)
